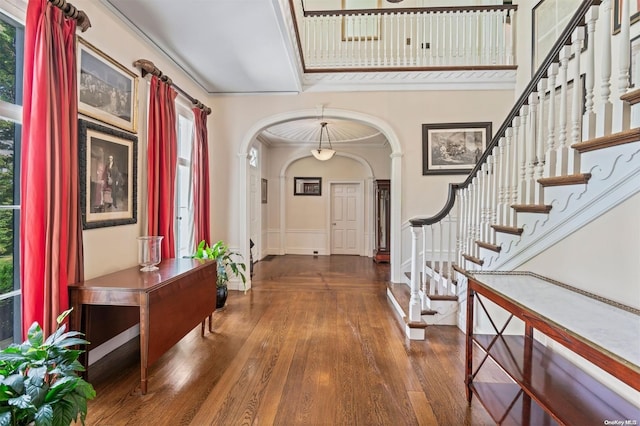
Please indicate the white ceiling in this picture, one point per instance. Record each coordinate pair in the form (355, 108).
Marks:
(226, 46)
(236, 46)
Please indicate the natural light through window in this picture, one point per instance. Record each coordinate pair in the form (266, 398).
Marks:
(11, 45)
(184, 188)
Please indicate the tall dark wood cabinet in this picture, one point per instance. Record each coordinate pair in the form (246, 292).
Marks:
(381, 252)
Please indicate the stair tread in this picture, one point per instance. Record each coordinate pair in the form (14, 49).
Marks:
(508, 229)
(531, 208)
(620, 138)
(489, 246)
(473, 259)
(580, 178)
(632, 97)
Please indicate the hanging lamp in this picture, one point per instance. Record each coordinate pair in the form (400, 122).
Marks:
(323, 154)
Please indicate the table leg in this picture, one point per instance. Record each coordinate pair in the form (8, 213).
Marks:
(211, 323)
(76, 324)
(144, 341)
(469, 340)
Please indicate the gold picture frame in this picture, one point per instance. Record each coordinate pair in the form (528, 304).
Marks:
(107, 91)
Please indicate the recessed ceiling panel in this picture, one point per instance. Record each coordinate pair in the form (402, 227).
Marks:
(227, 46)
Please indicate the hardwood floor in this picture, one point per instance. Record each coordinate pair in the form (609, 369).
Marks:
(315, 342)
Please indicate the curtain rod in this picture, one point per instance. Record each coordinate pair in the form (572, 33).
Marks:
(148, 67)
(70, 11)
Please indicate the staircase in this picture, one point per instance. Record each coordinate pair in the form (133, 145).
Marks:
(566, 155)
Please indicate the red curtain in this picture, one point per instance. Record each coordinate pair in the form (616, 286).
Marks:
(162, 149)
(201, 177)
(50, 232)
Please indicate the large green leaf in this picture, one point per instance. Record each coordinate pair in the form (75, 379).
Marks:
(44, 415)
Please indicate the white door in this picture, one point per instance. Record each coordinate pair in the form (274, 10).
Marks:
(346, 218)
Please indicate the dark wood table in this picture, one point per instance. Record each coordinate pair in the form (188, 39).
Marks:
(545, 385)
(173, 300)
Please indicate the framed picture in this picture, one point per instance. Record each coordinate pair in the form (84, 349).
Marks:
(107, 91)
(453, 148)
(108, 175)
(263, 191)
(360, 27)
(548, 20)
(307, 186)
(634, 13)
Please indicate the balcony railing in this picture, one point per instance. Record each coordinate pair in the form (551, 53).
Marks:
(407, 38)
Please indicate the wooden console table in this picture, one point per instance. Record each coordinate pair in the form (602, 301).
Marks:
(173, 300)
(545, 387)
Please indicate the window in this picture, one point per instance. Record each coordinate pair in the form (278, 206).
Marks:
(185, 244)
(11, 45)
(253, 157)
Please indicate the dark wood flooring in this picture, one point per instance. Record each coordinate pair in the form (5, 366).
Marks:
(315, 342)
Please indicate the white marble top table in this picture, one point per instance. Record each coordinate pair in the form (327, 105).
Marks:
(612, 328)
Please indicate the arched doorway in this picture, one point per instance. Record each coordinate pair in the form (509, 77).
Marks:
(396, 173)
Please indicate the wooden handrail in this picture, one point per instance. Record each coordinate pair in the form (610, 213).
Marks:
(564, 39)
(442, 9)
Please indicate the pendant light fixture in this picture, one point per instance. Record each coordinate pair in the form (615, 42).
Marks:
(323, 154)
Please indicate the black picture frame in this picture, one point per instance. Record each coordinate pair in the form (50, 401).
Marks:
(634, 14)
(108, 195)
(453, 148)
(307, 186)
(263, 190)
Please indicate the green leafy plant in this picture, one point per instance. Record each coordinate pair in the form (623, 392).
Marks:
(39, 381)
(226, 263)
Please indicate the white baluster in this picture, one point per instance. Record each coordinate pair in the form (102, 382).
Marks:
(550, 158)
(432, 45)
(494, 164)
(531, 148)
(589, 120)
(424, 277)
(523, 151)
(415, 311)
(462, 225)
(500, 192)
(573, 164)
(483, 193)
(621, 109)
(540, 140)
(451, 250)
(433, 287)
(441, 257)
(604, 109)
(513, 173)
(506, 217)
(562, 160)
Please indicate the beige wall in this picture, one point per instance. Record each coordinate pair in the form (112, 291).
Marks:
(601, 258)
(113, 248)
(403, 112)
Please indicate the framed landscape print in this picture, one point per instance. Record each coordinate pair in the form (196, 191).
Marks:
(453, 148)
(107, 91)
(108, 175)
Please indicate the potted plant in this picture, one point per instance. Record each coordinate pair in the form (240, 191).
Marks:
(226, 265)
(39, 381)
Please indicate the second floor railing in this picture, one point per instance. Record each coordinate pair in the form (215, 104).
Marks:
(472, 36)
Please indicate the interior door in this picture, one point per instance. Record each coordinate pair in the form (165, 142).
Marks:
(346, 218)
